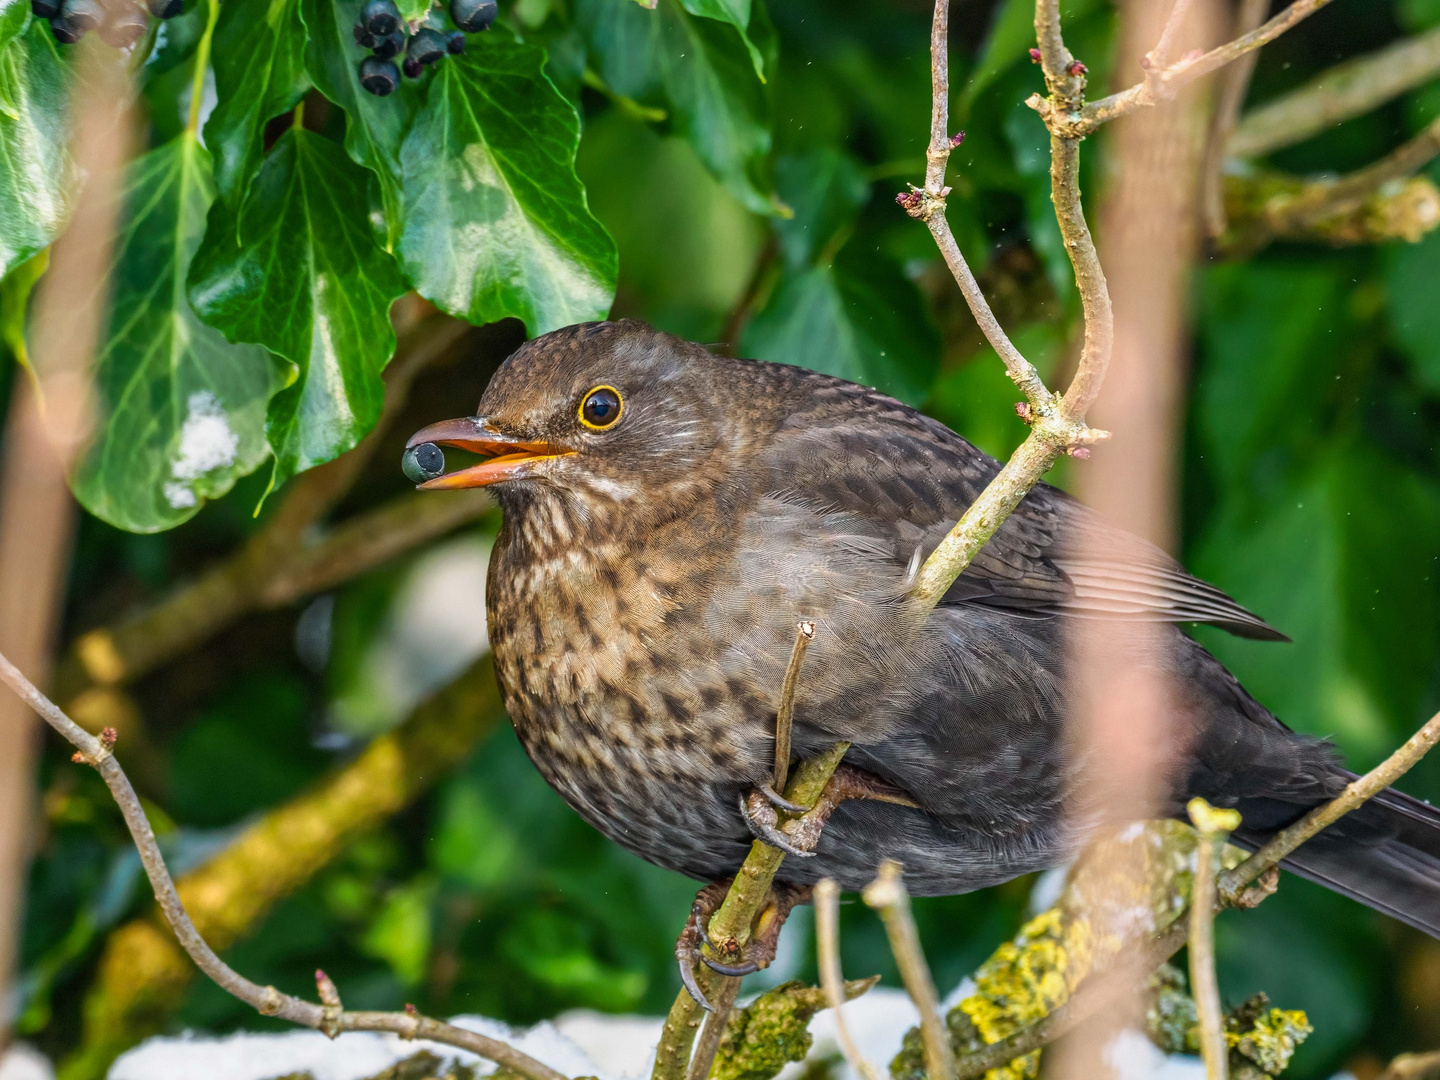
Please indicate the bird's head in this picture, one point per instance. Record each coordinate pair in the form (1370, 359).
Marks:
(605, 410)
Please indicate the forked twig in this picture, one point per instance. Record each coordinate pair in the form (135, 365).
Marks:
(887, 895)
(827, 948)
(328, 1017)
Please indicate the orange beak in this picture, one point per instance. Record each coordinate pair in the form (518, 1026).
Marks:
(510, 458)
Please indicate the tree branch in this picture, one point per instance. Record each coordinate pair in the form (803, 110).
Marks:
(1163, 85)
(1342, 92)
(329, 1018)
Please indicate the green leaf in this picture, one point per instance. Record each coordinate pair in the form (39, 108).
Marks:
(701, 74)
(259, 64)
(375, 127)
(181, 412)
(737, 14)
(826, 189)
(13, 16)
(35, 170)
(859, 318)
(496, 221)
(301, 273)
(15, 293)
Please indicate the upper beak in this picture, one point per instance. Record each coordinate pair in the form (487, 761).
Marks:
(510, 457)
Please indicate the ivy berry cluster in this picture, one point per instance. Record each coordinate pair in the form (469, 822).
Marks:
(120, 23)
(424, 42)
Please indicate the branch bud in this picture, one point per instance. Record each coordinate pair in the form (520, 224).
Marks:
(1022, 410)
(1075, 67)
(956, 139)
(1034, 56)
(329, 996)
(108, 738)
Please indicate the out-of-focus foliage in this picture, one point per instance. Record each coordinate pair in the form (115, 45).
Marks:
(757, 215)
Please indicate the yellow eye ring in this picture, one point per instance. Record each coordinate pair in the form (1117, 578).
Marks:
(601, 408)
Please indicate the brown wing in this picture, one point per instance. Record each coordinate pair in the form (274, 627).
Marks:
(853, 450)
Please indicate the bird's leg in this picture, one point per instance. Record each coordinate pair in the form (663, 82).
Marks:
(687, 945)
(735, 959)
(732, 958)
(761, 809)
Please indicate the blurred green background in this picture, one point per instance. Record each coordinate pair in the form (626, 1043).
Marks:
(1311, 476)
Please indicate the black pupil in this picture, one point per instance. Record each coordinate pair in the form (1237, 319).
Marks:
(602, 407)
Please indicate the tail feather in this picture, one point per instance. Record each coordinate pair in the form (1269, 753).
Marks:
(1385, 854)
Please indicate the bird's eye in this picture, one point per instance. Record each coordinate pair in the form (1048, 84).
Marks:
(601, 407)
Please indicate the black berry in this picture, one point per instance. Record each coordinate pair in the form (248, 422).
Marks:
(363, 37)
(380, 77)
(380, 17)
(411, 67)
(45, 9)
(165, 9)
(455, 43)
(389, 45)
(123, 27)
(473, 15)
(65, 32)
(423, 462)
(426, 46)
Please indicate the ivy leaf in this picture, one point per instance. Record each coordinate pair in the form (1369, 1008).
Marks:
(181, 412)
(375, 128)
(496, 221)
(259, 63)
(15, 292)
(35, 181)
(858, 318)
(1415, 304)
(700, 72)
(826, 189)
(737, 14)
(13, 14)
(301, 273)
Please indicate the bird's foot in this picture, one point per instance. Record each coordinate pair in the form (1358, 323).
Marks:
(761, 809)
(731, 957)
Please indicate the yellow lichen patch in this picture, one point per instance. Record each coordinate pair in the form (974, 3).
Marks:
(1026, 979)
(1273, 1038)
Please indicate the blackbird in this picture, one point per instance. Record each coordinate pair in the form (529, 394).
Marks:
(670, 514)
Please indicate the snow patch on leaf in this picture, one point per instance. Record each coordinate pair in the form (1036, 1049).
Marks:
(207, 443)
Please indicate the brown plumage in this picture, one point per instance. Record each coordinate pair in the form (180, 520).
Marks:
(646, 584)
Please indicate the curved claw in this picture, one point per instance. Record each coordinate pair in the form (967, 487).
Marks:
(776, 799)
(687, 977)
(735, 971)
(767, 832)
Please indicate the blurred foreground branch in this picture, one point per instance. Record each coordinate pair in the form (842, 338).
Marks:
(1344, 91)
(143, 972)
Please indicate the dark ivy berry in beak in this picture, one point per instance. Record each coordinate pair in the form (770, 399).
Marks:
(423, 462)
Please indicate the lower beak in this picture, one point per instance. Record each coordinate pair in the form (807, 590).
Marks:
(510, 457)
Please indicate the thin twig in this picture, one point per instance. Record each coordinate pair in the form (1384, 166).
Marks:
(887, 895)
(1160, 55)
(1164, 84)
(827, 948)
(785, 716)
(714, 1029)
(1343, 91)
(1211, 828)
(97, 752)
(1355, 794)
(1229, 97)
